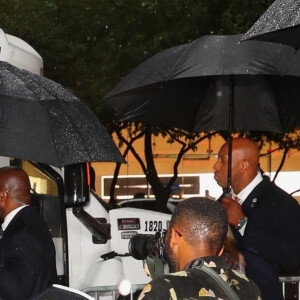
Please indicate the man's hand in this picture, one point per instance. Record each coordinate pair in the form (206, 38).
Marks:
(234, 210)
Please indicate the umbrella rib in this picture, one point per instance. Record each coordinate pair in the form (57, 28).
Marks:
(188, 47)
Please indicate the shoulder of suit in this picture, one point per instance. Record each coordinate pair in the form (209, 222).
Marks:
(276, 193)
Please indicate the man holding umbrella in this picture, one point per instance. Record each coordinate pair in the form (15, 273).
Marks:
(264, 219)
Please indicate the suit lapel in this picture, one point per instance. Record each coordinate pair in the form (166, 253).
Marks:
(13, 223)
(254, 199)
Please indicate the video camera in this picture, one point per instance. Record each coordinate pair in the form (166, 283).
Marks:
(143, 245)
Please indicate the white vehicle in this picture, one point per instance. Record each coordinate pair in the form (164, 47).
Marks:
(91, 240)
(148, 203)
(20, 54)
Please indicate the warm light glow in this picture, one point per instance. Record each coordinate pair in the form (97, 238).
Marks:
(88, 173)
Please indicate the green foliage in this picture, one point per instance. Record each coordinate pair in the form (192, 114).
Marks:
(89, 45)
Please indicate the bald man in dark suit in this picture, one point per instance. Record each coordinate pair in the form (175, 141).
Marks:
(264, 219)
(27, 253)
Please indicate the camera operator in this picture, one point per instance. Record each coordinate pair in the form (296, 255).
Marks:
(193, 248)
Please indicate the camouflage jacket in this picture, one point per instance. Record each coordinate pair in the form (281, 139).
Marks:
(192, 283)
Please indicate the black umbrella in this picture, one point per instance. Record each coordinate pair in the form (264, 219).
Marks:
(42, 121)
(280, 23)
(188, 87)
(193, 87)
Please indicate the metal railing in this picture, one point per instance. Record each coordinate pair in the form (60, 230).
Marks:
(290, 287)
(111, 292)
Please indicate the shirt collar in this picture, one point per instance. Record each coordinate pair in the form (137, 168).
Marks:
(10, 216)
(243, 194)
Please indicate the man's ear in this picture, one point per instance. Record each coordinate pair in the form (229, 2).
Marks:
(2, 194)
(173, 238)
(245, 165)
(2, 199)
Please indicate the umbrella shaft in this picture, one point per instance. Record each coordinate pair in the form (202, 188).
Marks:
(230, 126)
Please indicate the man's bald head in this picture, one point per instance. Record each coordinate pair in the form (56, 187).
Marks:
(245, 160)
(246, 149)
(14, 189)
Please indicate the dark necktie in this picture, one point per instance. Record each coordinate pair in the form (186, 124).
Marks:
(1, 232)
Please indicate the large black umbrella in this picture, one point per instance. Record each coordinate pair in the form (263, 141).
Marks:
(42, 121)
(214, 83)
(190, 87)
(280, 23)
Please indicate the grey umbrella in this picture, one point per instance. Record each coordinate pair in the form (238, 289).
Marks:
(280, 23)
(42, 121)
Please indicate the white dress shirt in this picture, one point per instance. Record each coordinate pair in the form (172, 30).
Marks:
(243, 194)
(10, 216)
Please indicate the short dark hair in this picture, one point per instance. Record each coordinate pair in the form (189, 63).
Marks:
(201, 220)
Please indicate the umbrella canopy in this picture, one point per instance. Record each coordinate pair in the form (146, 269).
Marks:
(188, 87)
(42, 121)
(280, 23)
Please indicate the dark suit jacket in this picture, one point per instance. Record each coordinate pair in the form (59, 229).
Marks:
(27, 257)
(271, 242)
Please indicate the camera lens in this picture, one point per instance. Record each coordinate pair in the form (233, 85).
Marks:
(141, 245)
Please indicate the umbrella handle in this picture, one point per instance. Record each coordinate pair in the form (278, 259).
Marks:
(230, 119)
